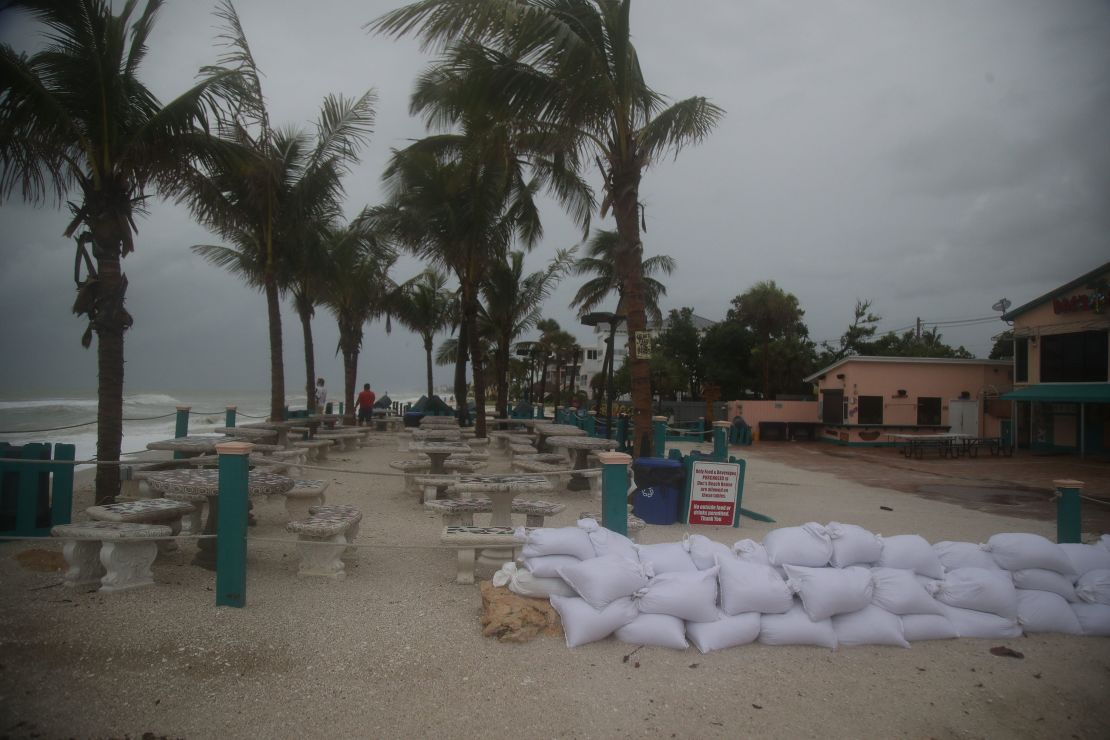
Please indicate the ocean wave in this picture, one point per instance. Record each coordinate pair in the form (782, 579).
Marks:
(39, 403)
(152, 399)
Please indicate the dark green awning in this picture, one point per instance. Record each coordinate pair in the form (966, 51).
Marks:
(1062, 393)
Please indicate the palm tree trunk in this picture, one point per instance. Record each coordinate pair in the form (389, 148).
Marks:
(428, 357)
(350, 373)
(501, 368)
(604, 375)
(277, 368)
(110, 323)
(309, 359)
(461, 358)
(543, 381)
(477, 366)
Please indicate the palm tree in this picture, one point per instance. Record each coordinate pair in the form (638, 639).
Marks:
(75, 116)
(549, 334)
(425, 306)
(356, 288)
(303, 278)
(568, 69)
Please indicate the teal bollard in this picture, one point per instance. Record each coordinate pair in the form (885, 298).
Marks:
(61, 488)
(614, 491)
(1069, 518)
(229, 417)
(231, 545)
(720, 440)
(181, 428)
(659, 426)
(591, 424)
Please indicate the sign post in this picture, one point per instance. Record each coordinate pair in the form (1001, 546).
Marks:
(715, 489)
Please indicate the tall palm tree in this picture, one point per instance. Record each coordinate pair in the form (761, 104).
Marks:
(546, 345)
(303, 276)
(75, 117)
(425, 306)
(568, 68)
(356, 288)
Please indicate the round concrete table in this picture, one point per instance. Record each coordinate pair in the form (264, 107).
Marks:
(279, 427)
(188, 446)
(581, 447)
(438, 452)
(199, 486)
(544, 431)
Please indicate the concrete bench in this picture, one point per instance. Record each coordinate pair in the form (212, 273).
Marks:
(478, 442)
(303, 497)
(556, 473)
(350, 554)
(521, 439)
(411, 468)
(147, 511)
(460, 512)
(468, 540)
(317, 448)
(463, 466)
(323, 539)
(635, 524)
(347, 441)
(433, 487)
(108, 553)
(519, 449)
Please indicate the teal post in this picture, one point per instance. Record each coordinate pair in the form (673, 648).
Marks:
(688, 481)
(720, 440)
(1069, 520)
(591, 424)
(26, 512)
(659, 426)
(231, 529)
(341, 408)
(740, 492)
(61, 490)
(286, 416)
(229, 417)
(614, 491)
(181, 429)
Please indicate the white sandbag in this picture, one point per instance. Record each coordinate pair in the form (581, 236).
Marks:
(752, 587)
(602, 580)
(1085, 558)
(910, 552)
(971, 623)
(1094, 619)
(523, 583)
(547, 566)
(556, 541)
(583, 624)
(689, 596)
(704, 551)
(853, 545)
(919, 627)
(869, 626)
(725, 632)
(1041, 611)
(796, 628)
(608, 542)
(1104, 541)
(1094, 587)
(978, 589)
(954, 555)
(666, 557)
(1022, 550)
(899, 592)
(808, 545)
(1039, 579)
(660, 630)
(752, 551)
(828, 591)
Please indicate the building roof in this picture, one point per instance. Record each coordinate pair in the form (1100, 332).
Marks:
(1066, 288)
(700, 323)
(910, 360)
(1062, 393)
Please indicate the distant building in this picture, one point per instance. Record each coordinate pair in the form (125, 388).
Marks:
(1062, 367)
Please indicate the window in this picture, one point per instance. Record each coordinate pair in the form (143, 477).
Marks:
(870, 410)
(1021, 360)
(928, 411)
(591, 354)
(1079, 357)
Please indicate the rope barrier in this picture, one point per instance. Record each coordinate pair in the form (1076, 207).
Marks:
(127, 539)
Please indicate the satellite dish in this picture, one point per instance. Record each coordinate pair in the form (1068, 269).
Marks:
(1001, 305)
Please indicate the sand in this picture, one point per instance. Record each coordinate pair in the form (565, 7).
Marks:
(395, 650)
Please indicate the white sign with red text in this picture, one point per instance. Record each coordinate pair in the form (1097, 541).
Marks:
(714, 489)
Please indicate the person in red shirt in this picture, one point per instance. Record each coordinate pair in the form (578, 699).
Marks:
(365, 404)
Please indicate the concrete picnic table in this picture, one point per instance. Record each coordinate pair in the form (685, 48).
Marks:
(250, 434)
(199, 486)
(281, 427)
(437, 435)
(191, 446)
(348, 438)
(438, 452)
(543, 431)
(501, 488)
(581, 447)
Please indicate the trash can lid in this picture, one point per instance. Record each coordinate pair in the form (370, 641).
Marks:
(656, 462)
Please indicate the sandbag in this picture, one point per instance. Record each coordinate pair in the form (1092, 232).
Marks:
(1085, 558)
(1039, 579)
(704, 551)
(725, 632)
(607, 542)
(583, 624)
(954, 555)
(1104, 542)
(689, 596)
(971, 623)
(752, 587)
(752, 551)
(523, 583)
(853, 545)
(1094, 619)
(666, 557)
(602, 580)
(919, 627)
(796, 628)
(660, 630)
(547, 566)
(1022, 550)
(978, 589)
(1094, 586)
(556, 541)
(808, 545)
(910, 552)
(869, 626)
(828, 591)
(1041, 611)
(898, 592)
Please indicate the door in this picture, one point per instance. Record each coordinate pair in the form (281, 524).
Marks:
(963, 416)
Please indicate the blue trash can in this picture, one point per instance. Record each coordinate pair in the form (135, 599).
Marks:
(412, 418)
(658, 494)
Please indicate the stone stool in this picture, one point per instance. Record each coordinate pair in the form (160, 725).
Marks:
(354, 514)
(99, 552)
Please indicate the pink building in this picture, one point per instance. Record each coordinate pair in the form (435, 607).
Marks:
(863, 400)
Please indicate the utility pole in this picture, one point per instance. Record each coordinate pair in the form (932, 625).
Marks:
(919, 327)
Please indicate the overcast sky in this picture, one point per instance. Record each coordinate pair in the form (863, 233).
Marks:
(930, 156)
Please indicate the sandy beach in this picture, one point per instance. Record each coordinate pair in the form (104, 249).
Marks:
(395, 649)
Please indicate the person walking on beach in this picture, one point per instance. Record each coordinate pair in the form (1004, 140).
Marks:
(321, 396)
(365, 404)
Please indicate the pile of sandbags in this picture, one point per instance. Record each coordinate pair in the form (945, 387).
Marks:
(826, 585)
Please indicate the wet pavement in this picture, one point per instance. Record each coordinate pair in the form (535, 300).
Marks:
(1020, 486)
